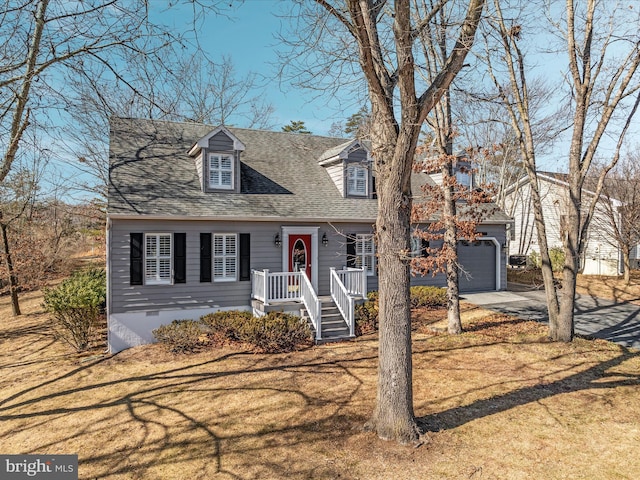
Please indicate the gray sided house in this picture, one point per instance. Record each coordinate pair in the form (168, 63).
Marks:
(202, 219)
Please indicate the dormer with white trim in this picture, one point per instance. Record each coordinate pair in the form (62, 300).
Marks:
(351, 168)
(463, 169)
(217, 157)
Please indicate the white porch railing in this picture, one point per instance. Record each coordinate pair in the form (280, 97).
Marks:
(312, 303)
(354, 280)
(277, 287)
(344, 301)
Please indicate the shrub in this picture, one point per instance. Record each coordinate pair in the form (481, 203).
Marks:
(556, 255)
(226, 325)
(428, 297)
(367, 315)
(76, 305)
(181, 335)
(276, 332)
(534, 259)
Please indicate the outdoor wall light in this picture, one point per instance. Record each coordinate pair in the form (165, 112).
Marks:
(277, 240)
(325, 240)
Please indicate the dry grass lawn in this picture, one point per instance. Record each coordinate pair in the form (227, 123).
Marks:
(499, 402)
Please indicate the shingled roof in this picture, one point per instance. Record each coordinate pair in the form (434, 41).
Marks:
(151, 174)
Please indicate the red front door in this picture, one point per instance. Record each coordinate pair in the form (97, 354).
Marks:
(300, 254)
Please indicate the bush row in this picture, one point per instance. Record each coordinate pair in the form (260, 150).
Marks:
(367, 312)
(275, 332)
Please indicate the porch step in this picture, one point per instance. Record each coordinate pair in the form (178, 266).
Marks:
(334, 328)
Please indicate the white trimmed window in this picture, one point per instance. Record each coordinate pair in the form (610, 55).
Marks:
(225, 257)
(221, 171)
(357, 180)
(365, 253)
(157, 258)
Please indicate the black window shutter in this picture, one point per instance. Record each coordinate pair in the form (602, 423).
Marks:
(425, 246)
(205, 257)
(179, 258)
(245, 257)
(136, 258)
(351, 250)
(374, 192)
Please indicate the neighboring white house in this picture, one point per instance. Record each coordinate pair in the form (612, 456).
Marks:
(601, 254)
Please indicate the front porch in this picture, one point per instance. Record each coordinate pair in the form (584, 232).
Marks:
(332, 317)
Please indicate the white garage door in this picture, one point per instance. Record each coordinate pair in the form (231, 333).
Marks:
(478, 260)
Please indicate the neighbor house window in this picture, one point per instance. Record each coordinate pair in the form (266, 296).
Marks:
(157, 258)
(220, 171)
(365, 253)
(357, 180)
(225, 257)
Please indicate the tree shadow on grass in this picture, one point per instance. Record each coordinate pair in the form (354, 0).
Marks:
(595, 377)
(182, 416)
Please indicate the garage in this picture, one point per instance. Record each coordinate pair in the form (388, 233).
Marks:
(478, 260)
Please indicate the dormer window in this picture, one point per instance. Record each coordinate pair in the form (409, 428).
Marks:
(357, 176)
(221, 171)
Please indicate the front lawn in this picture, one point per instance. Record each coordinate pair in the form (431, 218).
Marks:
(499, 401)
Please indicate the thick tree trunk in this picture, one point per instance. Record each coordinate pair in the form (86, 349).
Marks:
(13, 280)
(393, 417)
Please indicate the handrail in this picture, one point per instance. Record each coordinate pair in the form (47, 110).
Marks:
(312, 304)
(355, 281)
(343, 300)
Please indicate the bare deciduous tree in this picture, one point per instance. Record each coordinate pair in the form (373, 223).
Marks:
(383, 37)
(45, 43)
(601, 78)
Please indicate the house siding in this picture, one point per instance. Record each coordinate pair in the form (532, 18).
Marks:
(196, 294)
(601, 255)
(337, 174)
(264, 255)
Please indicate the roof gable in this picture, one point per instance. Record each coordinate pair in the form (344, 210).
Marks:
(204, 141)
(341, 152)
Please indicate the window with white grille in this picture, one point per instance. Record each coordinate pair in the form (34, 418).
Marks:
(365, 253)
(225, 257)
(220, 171)
(357, 180)
(157, 258)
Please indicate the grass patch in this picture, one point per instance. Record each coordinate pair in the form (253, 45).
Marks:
(499, 401)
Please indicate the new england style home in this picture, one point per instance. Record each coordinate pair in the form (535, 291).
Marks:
(203, 218)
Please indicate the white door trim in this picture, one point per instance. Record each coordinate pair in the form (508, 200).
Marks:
(313, 231)
(494, 240)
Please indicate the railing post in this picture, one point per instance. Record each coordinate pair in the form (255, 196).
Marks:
(352, 318)
(319, 320)
(266, 286)
(363, 284)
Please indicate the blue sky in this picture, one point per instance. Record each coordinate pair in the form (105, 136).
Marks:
(248, 35)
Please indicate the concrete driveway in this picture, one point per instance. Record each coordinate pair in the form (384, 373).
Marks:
(596, 317)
